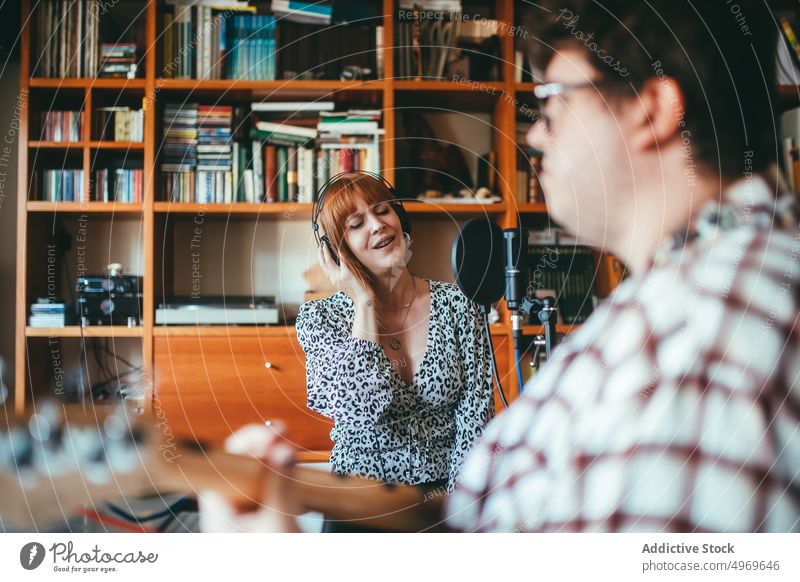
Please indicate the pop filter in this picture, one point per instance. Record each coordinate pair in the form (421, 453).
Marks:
(477, 260)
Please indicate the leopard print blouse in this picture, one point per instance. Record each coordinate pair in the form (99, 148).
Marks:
(384, 428)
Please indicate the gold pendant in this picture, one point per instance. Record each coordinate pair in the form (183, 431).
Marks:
(395, 343)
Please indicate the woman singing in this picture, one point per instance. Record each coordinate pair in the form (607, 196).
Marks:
(400, 363)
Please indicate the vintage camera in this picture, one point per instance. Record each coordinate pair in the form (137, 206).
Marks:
(110, 299)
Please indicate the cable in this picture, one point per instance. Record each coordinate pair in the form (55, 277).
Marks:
(494, 362)
(519, 369)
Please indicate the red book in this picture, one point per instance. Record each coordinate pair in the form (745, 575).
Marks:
(270, 173)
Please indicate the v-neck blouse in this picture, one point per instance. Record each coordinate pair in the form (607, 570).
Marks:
(387, 429)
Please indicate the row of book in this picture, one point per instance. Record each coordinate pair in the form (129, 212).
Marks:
(61, 126)
(448, 46)
(264, 172)
(66, 38)
(119, 185)
(59, 185)
(528, 188)
(206, 42)
(119, 124)
(568, 273)
(275, 160)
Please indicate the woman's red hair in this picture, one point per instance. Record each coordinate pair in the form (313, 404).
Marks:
(341, 201)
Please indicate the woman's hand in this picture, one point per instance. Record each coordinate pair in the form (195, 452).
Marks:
(277, 509)
(341, 277)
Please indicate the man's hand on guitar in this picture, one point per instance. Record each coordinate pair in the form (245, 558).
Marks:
(277, 508)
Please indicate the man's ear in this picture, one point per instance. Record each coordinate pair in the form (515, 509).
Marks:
(659, 116)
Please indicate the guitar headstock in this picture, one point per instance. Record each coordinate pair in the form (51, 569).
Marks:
(59, 458)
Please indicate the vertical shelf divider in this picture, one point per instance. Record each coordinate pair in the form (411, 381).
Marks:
(148, 217)
(21, 343)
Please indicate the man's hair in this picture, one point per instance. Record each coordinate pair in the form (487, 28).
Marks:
(721, 53)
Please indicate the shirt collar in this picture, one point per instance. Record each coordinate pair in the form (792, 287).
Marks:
(746, 203)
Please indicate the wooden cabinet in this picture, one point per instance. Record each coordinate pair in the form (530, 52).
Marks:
(207, 387)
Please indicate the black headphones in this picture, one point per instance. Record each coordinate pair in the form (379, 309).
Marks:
(396, 204)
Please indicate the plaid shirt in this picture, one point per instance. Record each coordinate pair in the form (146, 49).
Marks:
(676, 407)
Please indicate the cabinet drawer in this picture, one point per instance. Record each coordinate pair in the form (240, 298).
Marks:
(207, 387)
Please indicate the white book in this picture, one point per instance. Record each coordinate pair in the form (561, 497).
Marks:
(301, 173)
(348, 126)
(286, 128)
(293, 106)
(310, 156)
(249, 193)
(258, 171)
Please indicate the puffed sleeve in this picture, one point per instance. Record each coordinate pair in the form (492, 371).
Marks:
(476, 406)
(347, 378)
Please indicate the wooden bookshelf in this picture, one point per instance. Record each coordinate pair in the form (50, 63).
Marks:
(231, 355)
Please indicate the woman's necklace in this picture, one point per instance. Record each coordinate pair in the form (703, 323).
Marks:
(395, 344)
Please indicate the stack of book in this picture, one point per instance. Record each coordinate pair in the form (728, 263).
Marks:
(179, 151)
(118, 61)
(426, 45)
(119, 124)
(349, 140)
(208, 42)
(59, 185)
(66, 36)
(45, 313)
(61, 126)
(119, 184)
(282, 154)
(214, 167)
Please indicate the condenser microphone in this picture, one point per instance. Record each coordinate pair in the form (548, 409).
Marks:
(514, 277)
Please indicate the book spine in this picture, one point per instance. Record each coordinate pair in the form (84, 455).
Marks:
(291, 175)
(282, 173)
(271, 172)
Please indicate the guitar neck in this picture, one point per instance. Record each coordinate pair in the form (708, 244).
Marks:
(354, 499)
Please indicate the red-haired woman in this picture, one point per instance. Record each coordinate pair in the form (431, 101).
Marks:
(400, 363)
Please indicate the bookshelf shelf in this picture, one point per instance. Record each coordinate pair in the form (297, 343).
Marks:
(117, 145)
(472, 87)
(88, 207)
(432, 207)
(232, 208)
(560, 328)
(272, 86)
(525, 87)
(532, 208)
(87, 83)
(56, 145)
(88, 331)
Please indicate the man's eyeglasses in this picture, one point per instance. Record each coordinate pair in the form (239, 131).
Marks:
(544, 92)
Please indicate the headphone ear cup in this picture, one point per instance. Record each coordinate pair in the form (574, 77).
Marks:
(405, 222)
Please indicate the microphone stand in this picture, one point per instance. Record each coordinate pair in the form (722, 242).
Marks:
(545, 310)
